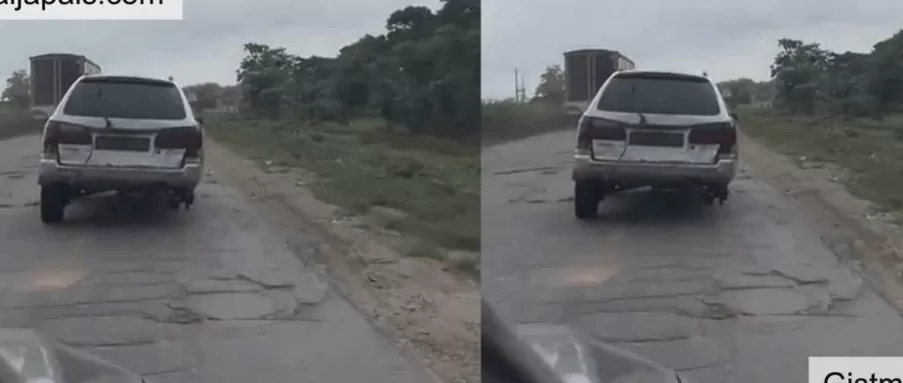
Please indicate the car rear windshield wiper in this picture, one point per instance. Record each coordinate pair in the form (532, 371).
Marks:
(106, 119)
(633, 99)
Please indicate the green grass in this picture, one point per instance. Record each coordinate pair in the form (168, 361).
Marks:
(434, 181)
(8, 109)
(508, 121)
(871, 151)
(16, 122)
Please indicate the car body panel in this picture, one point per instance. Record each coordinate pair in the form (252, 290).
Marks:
(672, 158)
(648, 173)
(132, 166)
(577, 358)
(126, 129)
(546, 353)
(28, 356)
(687, 153)
(108, 178)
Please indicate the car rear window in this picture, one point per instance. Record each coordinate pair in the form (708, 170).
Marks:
(660, 94)
(126, 98)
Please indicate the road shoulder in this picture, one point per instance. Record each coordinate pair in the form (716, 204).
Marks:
(848, 225)
(430, 312)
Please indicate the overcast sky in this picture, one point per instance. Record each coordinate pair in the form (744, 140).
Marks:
(729, 39)
(207, 45)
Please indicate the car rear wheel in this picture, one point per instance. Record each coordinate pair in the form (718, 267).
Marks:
(714, 192)
(53, 203)
(587, 195)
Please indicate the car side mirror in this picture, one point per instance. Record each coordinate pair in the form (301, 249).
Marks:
(200, 120)
(735, 117)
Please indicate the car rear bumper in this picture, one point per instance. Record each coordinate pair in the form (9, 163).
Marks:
(50, 171)
(649, 173)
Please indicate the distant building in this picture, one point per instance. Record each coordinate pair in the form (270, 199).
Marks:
(192, 97)
(725, 91)
(229, 100)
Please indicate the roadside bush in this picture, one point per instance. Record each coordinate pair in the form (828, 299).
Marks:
(868, 151)
(359, 167)
(421, 75)
(507, 120)
(16, 122)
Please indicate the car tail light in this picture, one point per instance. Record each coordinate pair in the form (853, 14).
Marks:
(592, 128)
(723, 135)
(57, 133)
(188, 138)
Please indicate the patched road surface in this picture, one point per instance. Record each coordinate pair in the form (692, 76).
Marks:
(744, 292)
(206, 295)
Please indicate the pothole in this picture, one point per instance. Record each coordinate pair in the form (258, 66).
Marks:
(232, 306)
(765, 301)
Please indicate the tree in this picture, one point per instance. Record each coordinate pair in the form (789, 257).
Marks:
(742, 90)
(845, 86)
(797, 71)
(886, 79)
(551, 86)
(808, 78)
(422, 74)
(264, 73)
(208, 94)
(763, 91)
(18, 89)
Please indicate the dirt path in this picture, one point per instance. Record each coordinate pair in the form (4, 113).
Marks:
(432, 312)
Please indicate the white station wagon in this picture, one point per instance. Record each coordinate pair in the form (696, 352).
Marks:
(658, 129)
(122, 133)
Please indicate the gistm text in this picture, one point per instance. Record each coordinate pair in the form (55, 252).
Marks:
(837, 377)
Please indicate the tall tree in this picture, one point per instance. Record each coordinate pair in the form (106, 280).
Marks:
(886, 82)
(422, 74)
(551, 85)
(797, 70)
(18, 89)
(208, 94)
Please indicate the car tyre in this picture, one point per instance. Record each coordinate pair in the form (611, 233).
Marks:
(586, 199)
(722, 191)
(53, 203)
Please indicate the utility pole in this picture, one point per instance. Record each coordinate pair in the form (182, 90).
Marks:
(516, 86)
(520, 92)
(523, 89)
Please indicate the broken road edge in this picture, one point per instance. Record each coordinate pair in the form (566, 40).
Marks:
(869, 246)
(431, 312)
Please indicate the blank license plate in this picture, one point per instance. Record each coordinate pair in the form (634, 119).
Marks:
(675, 140)
(129, 144)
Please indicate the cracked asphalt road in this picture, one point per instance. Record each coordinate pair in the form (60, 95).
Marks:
(207, 295)
(744, 292)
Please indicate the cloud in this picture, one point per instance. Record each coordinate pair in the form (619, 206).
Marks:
(207, 45)
(728, 39)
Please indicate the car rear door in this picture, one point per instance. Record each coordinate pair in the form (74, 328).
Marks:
(125, 117)
(665, 118)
